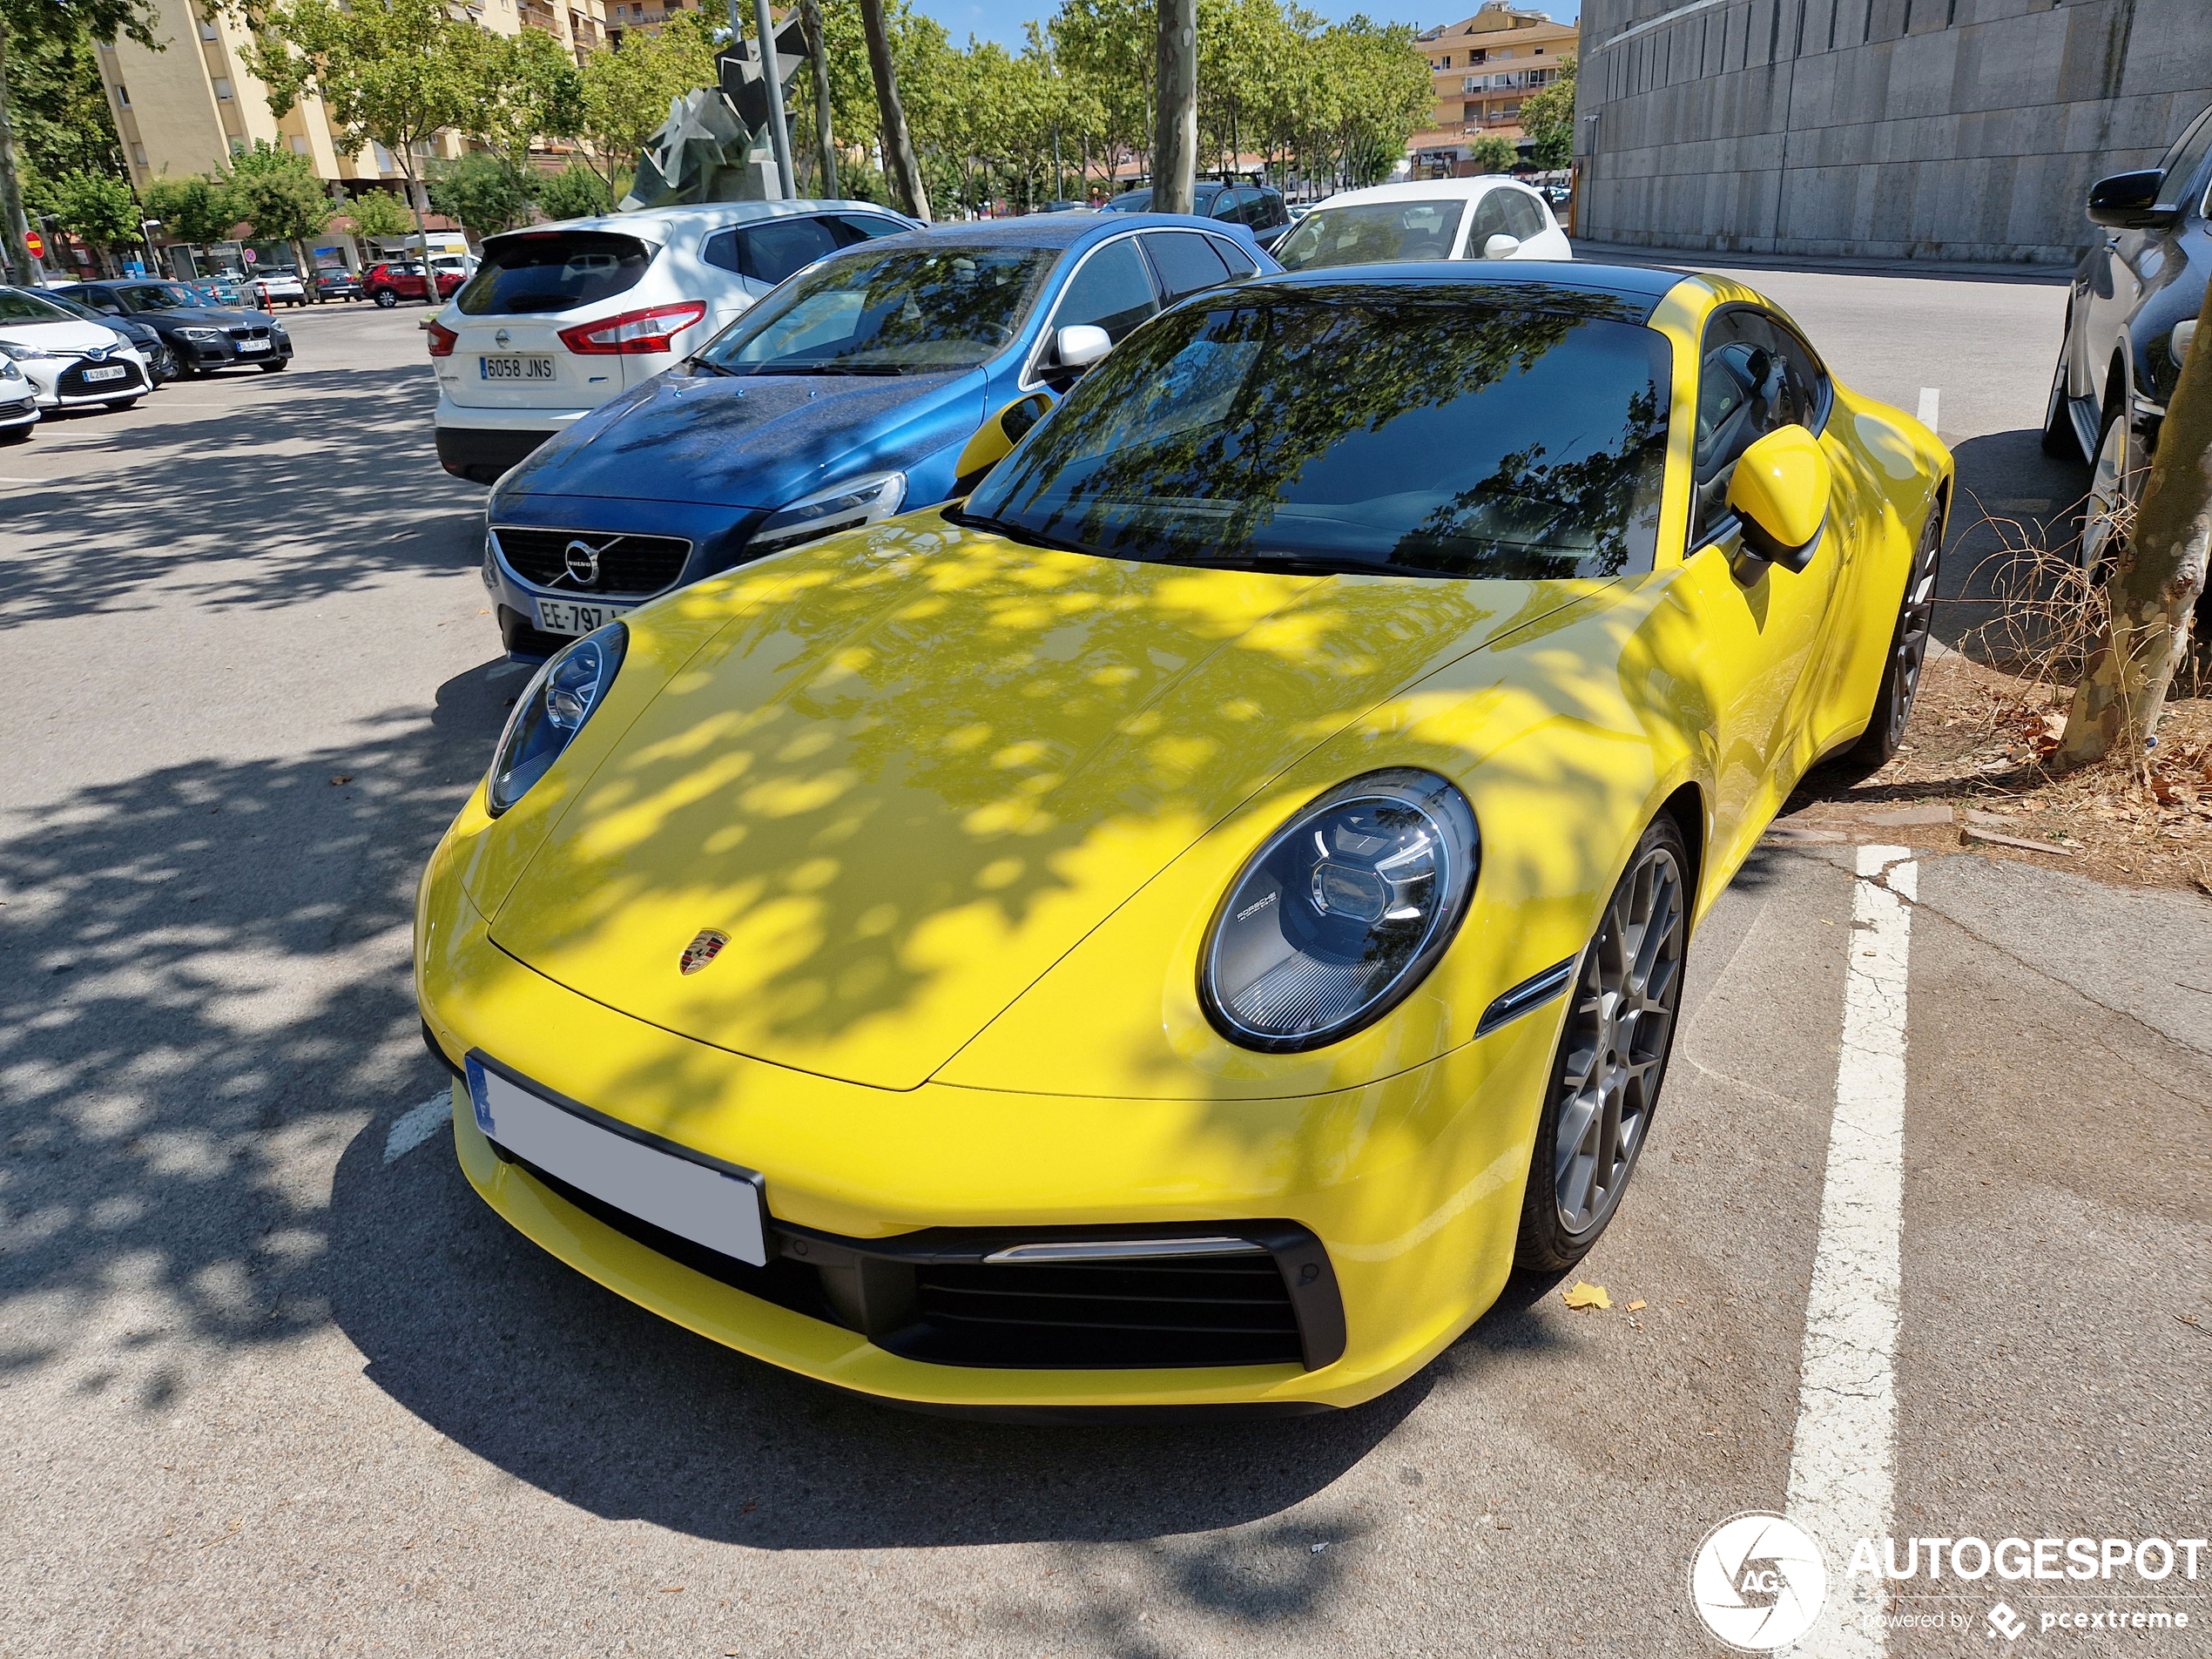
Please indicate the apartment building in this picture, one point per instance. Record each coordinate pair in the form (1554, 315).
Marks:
(1483, 68)
(187, 109)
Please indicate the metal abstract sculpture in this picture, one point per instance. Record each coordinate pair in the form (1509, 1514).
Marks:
(715, 145)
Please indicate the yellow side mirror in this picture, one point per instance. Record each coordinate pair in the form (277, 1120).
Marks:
(996, 438)
(1780, 492)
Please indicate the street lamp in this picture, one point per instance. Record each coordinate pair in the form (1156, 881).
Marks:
(146, 228)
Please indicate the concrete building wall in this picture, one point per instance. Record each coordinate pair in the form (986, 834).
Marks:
(1902, 129)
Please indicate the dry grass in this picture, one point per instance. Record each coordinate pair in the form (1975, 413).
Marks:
(1987, 722)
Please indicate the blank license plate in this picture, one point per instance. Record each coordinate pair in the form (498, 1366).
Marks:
(515, 368)
(565, 617)
(710, 1204)
(253, 345)
(118, 372)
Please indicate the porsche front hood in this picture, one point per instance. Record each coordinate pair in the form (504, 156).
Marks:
(903, 794)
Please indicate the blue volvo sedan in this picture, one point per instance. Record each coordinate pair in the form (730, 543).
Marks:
(844, 396)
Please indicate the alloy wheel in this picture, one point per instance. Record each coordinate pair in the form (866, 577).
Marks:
(1915, 620)
(1626, 992)
(2110, 497)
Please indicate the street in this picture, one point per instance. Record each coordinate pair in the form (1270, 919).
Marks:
(275, 1381)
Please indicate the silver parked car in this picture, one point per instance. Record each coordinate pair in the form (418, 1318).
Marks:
(559, 318)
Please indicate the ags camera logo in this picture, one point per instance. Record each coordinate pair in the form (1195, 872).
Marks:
(1757, 1582)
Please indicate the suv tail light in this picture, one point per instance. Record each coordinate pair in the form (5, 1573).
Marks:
(634, 333)
(442, 341)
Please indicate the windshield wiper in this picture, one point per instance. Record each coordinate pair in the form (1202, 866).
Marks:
(824, 368)
(1016, 533)
(700, 366)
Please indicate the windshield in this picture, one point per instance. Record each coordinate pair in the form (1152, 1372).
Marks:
(1374, 234)
(162, 296)
(15, 306)
(888, 311)
(1359, 429)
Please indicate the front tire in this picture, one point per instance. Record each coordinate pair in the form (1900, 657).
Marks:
(117, 405)
(2060, 441)
(2112, 487)
(270, 368)
(1908, 651)
(1612, 1059)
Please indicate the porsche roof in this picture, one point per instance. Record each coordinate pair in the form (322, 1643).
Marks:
(1639, 284)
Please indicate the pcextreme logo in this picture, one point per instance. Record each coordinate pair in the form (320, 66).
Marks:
(1757, 1582)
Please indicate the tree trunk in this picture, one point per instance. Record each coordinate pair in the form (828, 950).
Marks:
(810, 16)
(14, 227)
(2160, 573)
(1175, 141)
(900, 167)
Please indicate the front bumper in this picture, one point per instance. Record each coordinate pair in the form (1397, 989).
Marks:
(1411, 1187)
(58, 383)
(18, 404)
(225, 353)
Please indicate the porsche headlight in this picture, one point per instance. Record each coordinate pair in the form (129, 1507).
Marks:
(1341, 914)
(561, 696)
(841, 506)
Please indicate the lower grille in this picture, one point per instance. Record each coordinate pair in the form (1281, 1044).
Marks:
(1217, 1311)
(618, 566)
(932, 1297)
(71, 382)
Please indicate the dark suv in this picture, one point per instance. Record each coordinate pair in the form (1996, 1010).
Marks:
(203, 335)
(1258, 209)
(2120, 361)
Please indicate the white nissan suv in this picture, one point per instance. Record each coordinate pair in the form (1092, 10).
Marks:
(559, 318)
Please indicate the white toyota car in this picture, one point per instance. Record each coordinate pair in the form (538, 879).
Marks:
(1488, 218)
(69, 363)
(559, 318)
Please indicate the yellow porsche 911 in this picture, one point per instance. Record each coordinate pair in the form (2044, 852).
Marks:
(1178, 927)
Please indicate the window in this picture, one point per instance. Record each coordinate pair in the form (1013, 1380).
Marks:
(1186, 262)
(298, 145)
(1110, 291)
(1755, 377)
(1524, 218)
(849, 229)
(222, 88)
(1371, 233)
(540, 271)
(138, 154)
(936, 308)
(383, 158)
(206, 29)
(1486, 441)
(122, 93)
(768, 253)
(1489, 221)
(2182, 159)
(1239, 262)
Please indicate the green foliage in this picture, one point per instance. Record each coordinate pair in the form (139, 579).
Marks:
(30, 21)
(192, 209)
(482, 191)
(97, 206)
(624, 94)
(578, 193)
(59, 107)
(379, 213)
(1548, 117)
(518, 88)
(277, 192)
(395, 73)
(1491, 153)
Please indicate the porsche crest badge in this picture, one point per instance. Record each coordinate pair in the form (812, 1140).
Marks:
(702, 950)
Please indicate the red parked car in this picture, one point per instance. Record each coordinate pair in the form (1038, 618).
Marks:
(395, 280)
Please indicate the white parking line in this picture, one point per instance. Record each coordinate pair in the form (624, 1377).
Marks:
(1843, 1463)
(418, 1125)
(1931, 408)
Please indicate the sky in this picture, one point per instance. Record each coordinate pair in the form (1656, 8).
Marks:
(1002, 20)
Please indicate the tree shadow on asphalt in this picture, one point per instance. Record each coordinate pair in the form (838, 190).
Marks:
(205, 1004)
(2001, 475)
(329, 489)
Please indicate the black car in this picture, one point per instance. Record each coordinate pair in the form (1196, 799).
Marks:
(334, 284)
(1256, 208)
(204, 336)
(161, 362)
(2138, 287)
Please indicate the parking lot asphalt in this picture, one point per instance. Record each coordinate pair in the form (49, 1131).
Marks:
(273, 1381)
